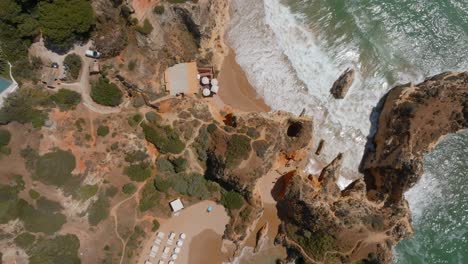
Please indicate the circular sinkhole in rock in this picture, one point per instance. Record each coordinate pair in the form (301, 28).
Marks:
(294, 129)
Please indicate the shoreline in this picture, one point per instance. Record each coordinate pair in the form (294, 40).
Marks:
(10, 89)
(235, 89)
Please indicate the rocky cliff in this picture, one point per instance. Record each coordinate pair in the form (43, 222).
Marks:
(364, 221)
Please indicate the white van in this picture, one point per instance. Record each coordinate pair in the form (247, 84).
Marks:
(92, 54)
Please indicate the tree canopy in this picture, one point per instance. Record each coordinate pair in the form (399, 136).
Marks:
(63, 21)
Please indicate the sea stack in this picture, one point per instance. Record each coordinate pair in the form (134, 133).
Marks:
(341, 85)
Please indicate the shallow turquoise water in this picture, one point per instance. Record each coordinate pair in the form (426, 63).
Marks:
(4, 84)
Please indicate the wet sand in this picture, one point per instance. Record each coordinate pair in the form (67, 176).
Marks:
(208, 239)
(235, 90)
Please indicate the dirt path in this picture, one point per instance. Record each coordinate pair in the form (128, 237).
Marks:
(116, 220)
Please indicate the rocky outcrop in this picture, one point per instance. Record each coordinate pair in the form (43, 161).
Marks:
(412, 120)
(343, 83)
(366, 219)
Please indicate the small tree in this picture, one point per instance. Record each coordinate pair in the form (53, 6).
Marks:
(73, 63)
(232, 200)
(102, 131)
(146, 28)
(159, 9)
(106, 93)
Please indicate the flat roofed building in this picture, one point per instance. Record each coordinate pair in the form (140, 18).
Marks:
(176, 205)
(182, 79)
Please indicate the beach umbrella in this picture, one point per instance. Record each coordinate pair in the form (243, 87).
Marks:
(179, 243)
(215, 89)
(177, 250)
(214, 82)
(174, 256)
(171, 262)
(205, 80)
(198, 76)
(206, 92)
(182, 236)
(210, 208)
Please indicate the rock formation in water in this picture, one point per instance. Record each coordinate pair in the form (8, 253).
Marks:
(370, 216)
(343, 83)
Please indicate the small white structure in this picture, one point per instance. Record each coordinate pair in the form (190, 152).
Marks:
(176, 205)
(166, 250)
(214, 82)
(171, 236)
(154, 249)
(205, 80)
(174, 256)
(176, 250)
(160, 235)
(206, 92)
(215, 89)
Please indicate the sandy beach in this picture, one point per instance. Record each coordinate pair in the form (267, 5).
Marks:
(235, 90)
(204, 231)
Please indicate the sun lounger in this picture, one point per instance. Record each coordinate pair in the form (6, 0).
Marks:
(148, 262)
(155, 248)
(157, 241)
(172, 236)
(182, 236)
(152, 254)
(160, 235)
(161, 262)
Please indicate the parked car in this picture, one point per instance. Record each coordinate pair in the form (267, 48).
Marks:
(93, 54)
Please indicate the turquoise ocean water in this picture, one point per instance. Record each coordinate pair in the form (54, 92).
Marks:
(293, 50)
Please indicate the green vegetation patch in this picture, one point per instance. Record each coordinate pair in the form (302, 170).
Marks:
(73, 63)
(149, 197)
(25, 240)
(164, 165)
(49, 206)
(55, 167)
(232, 200)
(87, 191)
(138, 172)
(136, 156)
(63, 21)
(102, 131)
(106, 93)
(164, 138)
(26, 105)
(59, 249)
(159, 9)
(98, 211)
(34, 194)
(5, 137)
(129, 188)
(35, 220)
(10, 204)
(146, 28)
(66, 99)
(238, 149)
(314, 243)
(155, 226)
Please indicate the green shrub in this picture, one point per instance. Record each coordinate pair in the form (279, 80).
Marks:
(159, 9)
(149, 197)
(66, 99)
(25, 240)
(106, 93)
(162, 184)
(98, 211)
(164, 165)
(211, 128)
(73, 62)
(138, 101)
(253, 133)
(63, 21)
(138, 172)
(25, 106)
(87, 191)
(132, 65)
(59, 249)
(102, 131)
(34, 194)
(164, 138)
(238, 149)
(136, 156)
(260, 147)
(45, 205)
(111, 191)
(155, 226)
(55, 167)
(30, 156)
(146, 28)
(5, 137)
(129, 188)
(10, 203)
(232, 200)
(41, 221)
(137, 118)
(153, 117)
(180, 164)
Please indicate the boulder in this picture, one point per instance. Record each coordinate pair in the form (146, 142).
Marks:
(341, 86)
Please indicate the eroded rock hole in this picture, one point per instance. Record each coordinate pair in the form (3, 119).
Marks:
(294, 129)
